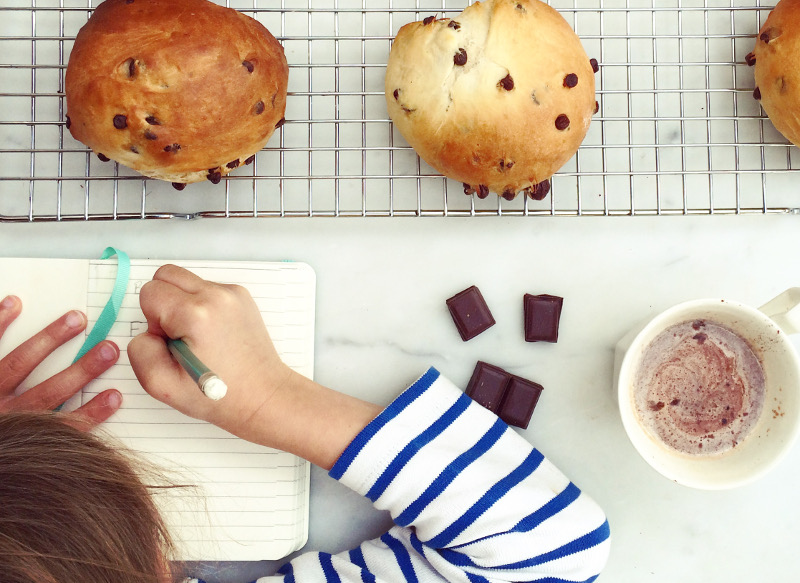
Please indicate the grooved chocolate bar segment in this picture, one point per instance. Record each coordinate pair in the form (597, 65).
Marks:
(542, 314)
(520, 400)
(470, 313)
(488, 385)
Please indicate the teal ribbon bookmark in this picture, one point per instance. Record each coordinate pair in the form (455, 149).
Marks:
(108, 316)
(110, 312)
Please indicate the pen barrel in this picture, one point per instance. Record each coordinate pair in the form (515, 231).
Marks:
(190, 363)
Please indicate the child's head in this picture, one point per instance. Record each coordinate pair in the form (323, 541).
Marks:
(72, 509)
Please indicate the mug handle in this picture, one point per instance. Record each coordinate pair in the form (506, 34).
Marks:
(784, 310)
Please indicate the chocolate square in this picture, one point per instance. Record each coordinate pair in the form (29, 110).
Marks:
(542, 314)
(470, 313)
(488, 385)
(520, 400)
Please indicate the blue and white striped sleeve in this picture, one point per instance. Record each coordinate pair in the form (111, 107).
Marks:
(472, 501)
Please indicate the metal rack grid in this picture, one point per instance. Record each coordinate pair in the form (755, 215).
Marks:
(678, 131)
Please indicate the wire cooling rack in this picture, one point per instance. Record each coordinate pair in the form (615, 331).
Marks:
(678, 131)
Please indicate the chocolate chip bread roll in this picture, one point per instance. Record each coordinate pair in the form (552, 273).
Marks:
(777, 73)
(499, 97)
(179, 90)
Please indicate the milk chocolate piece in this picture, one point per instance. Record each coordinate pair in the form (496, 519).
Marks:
(488, 385)
(542, 314)
(519, 401)
(470, 313)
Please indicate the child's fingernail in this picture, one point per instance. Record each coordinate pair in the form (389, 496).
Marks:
(8, 302)
(114, 399)
(108, 351)
(75, 319)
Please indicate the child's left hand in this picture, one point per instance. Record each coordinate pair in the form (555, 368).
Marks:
(20, 362)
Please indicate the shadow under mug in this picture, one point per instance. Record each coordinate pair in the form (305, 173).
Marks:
(767, 330)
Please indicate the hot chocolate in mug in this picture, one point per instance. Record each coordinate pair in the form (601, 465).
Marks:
(709, 390)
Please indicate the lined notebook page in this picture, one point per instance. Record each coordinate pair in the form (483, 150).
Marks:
(252, 502)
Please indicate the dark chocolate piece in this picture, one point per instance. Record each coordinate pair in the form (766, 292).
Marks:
(757, 93)
(428, 19)
(249, 66)
(470, 313)
(596, 106)
(249, 160)
(178, 185)
(280, 123)
(258, 108)
(562, 122)
(509, 194)
(519, 401)
(102, 157)
(488, 385)
(570, 81)
(214, 177)
(454, 25)
(69, 122)
(594, 64)
(460, 58)
(120, 121)
(750, 59)
(539, 191)
(468, 189)
(483, 191)
(152, 120)
(542, 314)
(233, 164)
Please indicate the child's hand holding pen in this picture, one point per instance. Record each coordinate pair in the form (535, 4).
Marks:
(266, 402)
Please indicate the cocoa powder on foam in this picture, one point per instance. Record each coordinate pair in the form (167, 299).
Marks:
(699, 388)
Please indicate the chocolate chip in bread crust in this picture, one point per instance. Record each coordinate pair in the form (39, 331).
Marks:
(150, 135)
(505, 165)
(172, 148)
(521, 8)
(258, 108)
(214, 177)
(102, 157)
(750, 59)
(232, 164)
(468, 189)
(249, 66)
(131, 63)
(509, 194)
(460, 58)
(454, 25)
(770, 34)
(396, 94)
(570, 81)
(120, 121)
(152, 120)
(68, 122)
(178, 185)
(506, 83)
(562, 122)
(757, 93)
(596, 106)
(134, 149)
(280, 123)
(250, 160)
(538, 191)
(595, 66)
(428, 20)
(483, 191)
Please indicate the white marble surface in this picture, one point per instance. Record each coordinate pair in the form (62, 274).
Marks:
(381, 320)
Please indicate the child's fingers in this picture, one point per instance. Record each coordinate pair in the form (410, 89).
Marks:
(162, 377)
(21, 361)
(181, 278)
(57, 389)
(10, 308)
(97, 410)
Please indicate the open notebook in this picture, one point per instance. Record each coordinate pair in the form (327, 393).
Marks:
(251, 502)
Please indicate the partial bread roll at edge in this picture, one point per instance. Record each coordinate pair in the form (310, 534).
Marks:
(499, 97)
(776, 57)
(179, 90)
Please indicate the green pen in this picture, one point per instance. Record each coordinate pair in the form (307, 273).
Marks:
(210, 384)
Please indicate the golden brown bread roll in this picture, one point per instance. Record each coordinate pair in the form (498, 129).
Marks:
(179, 90)
(776, 57)
(499, 97)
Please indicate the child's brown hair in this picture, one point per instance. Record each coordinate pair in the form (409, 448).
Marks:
(73, 509)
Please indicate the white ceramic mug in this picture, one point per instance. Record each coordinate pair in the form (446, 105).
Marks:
(766, 330)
